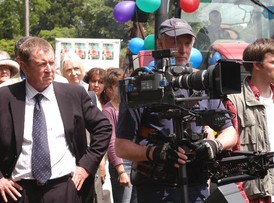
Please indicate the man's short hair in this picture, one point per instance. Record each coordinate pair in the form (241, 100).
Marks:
(256, 52)
(215, 17)
(19, 43)
(27, 48)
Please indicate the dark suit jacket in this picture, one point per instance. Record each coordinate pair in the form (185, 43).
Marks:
(93, 97)
(77, 114)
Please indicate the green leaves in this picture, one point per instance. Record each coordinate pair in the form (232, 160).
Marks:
(50, 19)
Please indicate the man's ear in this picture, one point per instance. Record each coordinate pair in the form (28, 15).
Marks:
(257, 66)
(17, 59)
(22, 64)
(159, 42)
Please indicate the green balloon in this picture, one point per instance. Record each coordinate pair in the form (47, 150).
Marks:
(148, 6)
(149, 42)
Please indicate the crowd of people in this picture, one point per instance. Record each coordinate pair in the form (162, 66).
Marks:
(60, 135)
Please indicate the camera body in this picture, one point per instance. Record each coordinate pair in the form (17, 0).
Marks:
(158, 86)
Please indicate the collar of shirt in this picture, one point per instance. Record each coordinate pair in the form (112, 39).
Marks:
(84, 84)
(255, 89)
(31, 92)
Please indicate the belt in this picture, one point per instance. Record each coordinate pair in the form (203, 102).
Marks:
(51, 182)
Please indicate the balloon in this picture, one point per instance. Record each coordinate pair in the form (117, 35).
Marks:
(124, 11)
(189, 6)
(196, 58)
(267, 14)
(149, 42)
(150, 66)
(216, 56)
(136, 44)
(148, 6)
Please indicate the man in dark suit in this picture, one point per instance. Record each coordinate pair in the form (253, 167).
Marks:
(68, 112)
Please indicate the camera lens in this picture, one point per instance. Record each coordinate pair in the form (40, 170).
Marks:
(195, 80)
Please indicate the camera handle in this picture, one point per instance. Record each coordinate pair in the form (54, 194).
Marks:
(179, 129)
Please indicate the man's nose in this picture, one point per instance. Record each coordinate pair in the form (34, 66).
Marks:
(181, 48)
(73, 72)
(48, 67)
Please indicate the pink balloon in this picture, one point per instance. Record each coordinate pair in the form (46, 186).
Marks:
(124, 11)
(189, 6)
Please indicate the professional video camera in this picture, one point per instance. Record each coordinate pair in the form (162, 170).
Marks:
(162, 89)
(158, 85)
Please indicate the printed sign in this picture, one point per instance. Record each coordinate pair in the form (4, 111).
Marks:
(103, 53)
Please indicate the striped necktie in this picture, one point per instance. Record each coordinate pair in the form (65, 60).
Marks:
(41, 167)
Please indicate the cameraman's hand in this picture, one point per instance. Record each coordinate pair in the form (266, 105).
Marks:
(205, 149)
(166, 153)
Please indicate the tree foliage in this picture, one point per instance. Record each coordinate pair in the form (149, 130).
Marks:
(52, 19)
(8, 46)
(57, 32)
(56, 13)
(10, 19)
(99, 22)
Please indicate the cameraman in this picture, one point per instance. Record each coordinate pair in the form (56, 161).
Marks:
(155, 175)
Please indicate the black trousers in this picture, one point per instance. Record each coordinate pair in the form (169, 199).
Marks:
(60, 190)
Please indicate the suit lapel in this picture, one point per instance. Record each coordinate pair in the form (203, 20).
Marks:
(17, 106)
(65, 106)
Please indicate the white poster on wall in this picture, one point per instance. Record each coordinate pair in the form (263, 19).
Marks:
(103, 53)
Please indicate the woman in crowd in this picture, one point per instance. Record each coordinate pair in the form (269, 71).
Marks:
(119, 169)
(73, 70)
(8, 67)
(95, 79)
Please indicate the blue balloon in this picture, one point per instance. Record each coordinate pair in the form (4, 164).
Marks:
(136, 44)
(267, 14)
(196, 58)
(150, 66)
(216, 56)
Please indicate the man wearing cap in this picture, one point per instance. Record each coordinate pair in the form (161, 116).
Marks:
(8, 67)
(155, 162)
